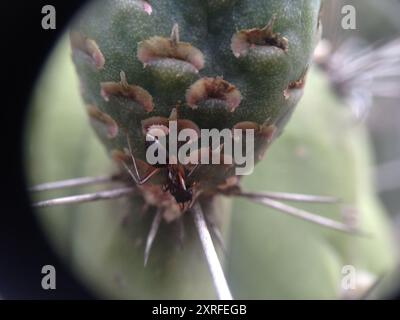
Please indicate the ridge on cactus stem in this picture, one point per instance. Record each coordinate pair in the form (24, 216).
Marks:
(149, 67)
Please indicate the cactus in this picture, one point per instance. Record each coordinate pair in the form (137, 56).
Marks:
(207, 64)
(142, 63)
(268, 255)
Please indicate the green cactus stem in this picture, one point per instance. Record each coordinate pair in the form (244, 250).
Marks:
(207, 64)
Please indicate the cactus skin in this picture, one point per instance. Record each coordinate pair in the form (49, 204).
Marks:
(135, 67)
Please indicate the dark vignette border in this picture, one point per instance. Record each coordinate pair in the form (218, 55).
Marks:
(23, 248)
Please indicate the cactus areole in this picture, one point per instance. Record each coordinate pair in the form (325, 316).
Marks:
(202, 64)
